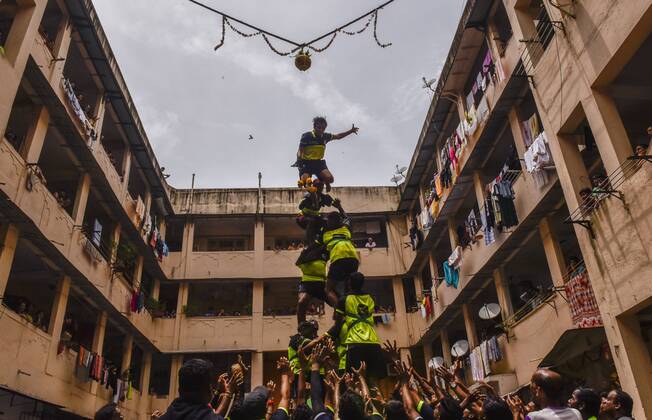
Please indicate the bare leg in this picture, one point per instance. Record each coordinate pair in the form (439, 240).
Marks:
(331, 295)
(327, 178)
(302, 306)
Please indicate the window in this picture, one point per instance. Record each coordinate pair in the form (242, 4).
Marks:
(364, 228)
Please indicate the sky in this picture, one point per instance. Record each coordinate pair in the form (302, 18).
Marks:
(199, 106)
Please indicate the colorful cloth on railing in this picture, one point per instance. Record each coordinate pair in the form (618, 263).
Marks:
(451, 275)
(583, 305)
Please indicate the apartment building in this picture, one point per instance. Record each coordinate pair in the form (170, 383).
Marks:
(110, 278)
(533, 164)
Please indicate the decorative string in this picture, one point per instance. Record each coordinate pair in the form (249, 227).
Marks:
(266, 35)
(364, 28)
(326, 46)
(376, 32)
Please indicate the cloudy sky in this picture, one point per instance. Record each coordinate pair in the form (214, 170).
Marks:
(199, 106)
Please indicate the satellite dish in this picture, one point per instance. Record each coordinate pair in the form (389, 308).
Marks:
(460, 348)
(436, 362)
(489, 311)
(401, 170)
(396, 179)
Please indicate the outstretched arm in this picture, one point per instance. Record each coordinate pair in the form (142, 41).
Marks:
(352, 130)
(284, 366)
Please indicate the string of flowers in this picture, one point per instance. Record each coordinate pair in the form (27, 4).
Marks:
(297, 46)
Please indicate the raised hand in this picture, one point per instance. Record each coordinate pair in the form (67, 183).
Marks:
(392, 350)
(271, 385)
(361, 370)
(402, 372)
(445, 374)
(354, 129)
(242, 364)
(283, 365)
(223, 382)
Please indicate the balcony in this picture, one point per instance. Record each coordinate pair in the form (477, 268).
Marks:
(201, 334)
(223, 264)
(51, 221)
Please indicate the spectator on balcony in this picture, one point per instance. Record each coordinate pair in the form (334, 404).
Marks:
(24, 310)
(617, 405)
(641, 149)
(547, 389)
(371, 244)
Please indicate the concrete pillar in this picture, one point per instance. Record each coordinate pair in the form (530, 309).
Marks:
(504, 295)
(427, 354)
(461, 105)
(127, 349)
(126, 168)
(8, 242)
(187, 245)
(452, 233)
(257, 324)
(61, 48)
(478, 186)
(138, 271)
(31, 150)
(445, 346)
(259, 246)
(469, 326)
(100, 332)
(418, 285)
(553, 252)
(99, 111)
(182, 301)
(630, 351)
(401, 313)
(145, 374)
(81, 199)
(422, 198)
(115, 240)
(517, 133)
(608, 129)
(98, 342)
(256, 369)
(17, 49)
(56, 318)
(156, 289)
(175, 365)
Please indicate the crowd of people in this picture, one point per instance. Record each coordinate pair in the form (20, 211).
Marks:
(351, 394)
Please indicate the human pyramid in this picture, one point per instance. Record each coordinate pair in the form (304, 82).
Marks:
(332, 376)
(328, 243)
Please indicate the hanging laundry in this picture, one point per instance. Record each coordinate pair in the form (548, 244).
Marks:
(537, 157)
(455, 259)
(451, 275)
(504, 195)
(582, 302)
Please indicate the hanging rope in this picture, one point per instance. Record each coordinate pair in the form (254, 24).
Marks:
(266, 35)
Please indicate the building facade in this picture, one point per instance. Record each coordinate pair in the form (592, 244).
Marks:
(523, 228)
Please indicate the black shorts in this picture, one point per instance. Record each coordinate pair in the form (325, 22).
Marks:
(312, 167)
(371, 354)
(315, 289)
(340, 270)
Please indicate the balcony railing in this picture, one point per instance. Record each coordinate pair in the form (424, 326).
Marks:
(536, 44)
(608, 187)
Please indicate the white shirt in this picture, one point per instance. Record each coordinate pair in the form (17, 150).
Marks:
(370, 245)
(550, 413)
